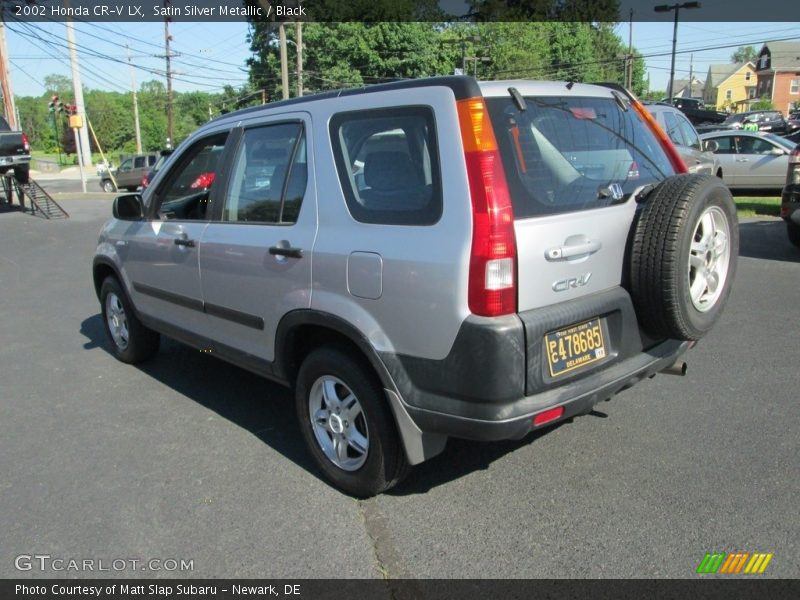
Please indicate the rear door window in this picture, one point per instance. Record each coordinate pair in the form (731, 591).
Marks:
(689, 133)
(388, 165)
(570, 154)
(269, 176)
(672, 129)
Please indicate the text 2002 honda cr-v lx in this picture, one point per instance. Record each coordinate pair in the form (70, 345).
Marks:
(424, 259)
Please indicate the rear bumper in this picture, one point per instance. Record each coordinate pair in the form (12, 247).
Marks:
(16, 160)
(495, 378)
(577, 398)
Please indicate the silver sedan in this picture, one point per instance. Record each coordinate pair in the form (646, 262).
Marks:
(750, 159)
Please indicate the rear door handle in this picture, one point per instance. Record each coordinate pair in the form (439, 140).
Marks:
(563, 252)
(288, 252)
(184, 240)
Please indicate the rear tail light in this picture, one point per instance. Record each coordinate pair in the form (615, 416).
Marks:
(204, 180)
(145, 181)
(663, 138)
(548, 415)
(25, 143)
(793, 173)
(492, 289)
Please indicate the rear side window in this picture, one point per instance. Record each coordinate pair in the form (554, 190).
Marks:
(388, 165)
(570, 154)
(672, 129)
(138, 162)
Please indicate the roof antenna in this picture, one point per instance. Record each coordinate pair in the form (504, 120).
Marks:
(570, 84)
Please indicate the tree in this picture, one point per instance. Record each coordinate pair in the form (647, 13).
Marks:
(762, 103)
(744, 54)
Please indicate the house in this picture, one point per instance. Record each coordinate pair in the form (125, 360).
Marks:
(682, 89)
(731, 86)
(778, 69)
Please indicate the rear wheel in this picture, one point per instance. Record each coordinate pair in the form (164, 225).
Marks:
(684, 254)
(793, 230)
(347, 423)
(131, 341)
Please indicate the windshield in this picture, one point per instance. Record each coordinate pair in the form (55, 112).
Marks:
(568, 154)
(788, 144)
(733, 119)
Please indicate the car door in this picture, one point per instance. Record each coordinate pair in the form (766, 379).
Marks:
(726, 157)
(762, 163)
(256, 255)
(696, 160)
(161, 253)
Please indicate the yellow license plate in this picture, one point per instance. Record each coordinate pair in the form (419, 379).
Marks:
(575, 347)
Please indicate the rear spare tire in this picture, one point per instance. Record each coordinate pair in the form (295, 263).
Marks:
(683, 256)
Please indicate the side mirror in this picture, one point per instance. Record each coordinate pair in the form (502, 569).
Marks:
(710, 146)
(128, 207)
(778, 152)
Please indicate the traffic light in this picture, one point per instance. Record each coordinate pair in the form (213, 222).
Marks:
(55, 105)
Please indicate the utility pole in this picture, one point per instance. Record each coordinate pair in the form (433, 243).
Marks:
(136, 129)
(168, 56)
(661, 8)
(299, 44)
(691, 76)
(284, 62)
(5, 79)
(84, 149)
(629, 62)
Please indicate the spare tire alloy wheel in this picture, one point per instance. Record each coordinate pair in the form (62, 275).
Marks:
(683, 256)
(709, 258)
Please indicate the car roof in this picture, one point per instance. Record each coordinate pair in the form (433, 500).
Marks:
(738, 132)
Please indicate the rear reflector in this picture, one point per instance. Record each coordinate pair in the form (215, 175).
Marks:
(492, 270)
(548, 415)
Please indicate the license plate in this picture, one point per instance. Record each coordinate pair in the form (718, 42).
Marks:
(575, 347)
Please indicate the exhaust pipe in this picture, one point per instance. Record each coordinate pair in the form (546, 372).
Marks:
(677, 368)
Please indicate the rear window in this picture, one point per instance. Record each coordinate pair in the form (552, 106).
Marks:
(570, 154)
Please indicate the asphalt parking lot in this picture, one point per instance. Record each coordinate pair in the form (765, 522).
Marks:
(189, 458)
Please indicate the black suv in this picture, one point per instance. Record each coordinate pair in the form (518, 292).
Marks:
(771, 121)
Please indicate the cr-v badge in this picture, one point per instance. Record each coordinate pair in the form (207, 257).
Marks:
(562, 285)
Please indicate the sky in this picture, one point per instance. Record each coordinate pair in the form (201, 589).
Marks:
(213, 54)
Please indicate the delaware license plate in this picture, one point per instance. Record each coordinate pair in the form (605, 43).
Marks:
(575, 347)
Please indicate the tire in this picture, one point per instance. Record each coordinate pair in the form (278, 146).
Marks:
(683, 256)
(793, 230)
(108, 186)
(22, 173)
(131, 341)
(353, 416)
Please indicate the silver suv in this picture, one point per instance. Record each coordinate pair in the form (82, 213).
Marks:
(683, 134)
(425, 259)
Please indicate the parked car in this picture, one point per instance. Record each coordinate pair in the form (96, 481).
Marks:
(750, 159)
(506, 260)
(683, 135)
(129, 174)
(790, 198)
(15, 152)
(164, 154)
(769, 121)
(696, 111)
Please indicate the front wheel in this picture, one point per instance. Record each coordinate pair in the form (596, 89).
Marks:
(131, 341)
(108, 186)
(347, 423)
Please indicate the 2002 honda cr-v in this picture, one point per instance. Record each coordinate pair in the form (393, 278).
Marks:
(424, 259)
